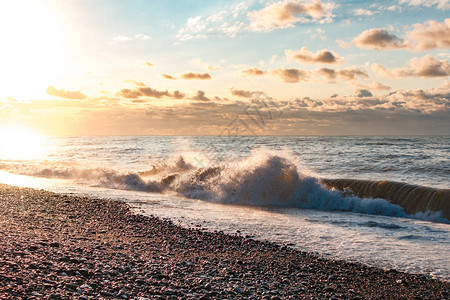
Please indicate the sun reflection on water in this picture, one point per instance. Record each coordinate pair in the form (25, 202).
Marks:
(21, 144)
(19, 180)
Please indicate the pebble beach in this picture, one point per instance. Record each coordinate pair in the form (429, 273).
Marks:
(56, 246)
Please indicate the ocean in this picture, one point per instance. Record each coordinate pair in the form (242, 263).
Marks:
(276, 188)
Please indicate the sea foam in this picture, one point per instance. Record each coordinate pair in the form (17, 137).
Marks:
(264, 178)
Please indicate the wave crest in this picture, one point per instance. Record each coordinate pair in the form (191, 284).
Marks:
(265, 178)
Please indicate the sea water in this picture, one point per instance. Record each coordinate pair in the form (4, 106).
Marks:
(265, 187)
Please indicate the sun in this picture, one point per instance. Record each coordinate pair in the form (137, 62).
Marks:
(32, 51)
(21, 144)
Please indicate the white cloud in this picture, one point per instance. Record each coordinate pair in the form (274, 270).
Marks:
(441, 4)
(225, 22)
(236, 18)
(427, 66)
(375, 86)
(138, 36)
(430, 35)
(198, 63)
(363, 12)
(287, 13)
(121, 38)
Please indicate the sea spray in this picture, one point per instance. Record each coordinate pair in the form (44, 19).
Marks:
(264, 178)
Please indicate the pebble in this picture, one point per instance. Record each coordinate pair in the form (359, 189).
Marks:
(108, 252)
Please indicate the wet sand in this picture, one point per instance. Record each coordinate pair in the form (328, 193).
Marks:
(64, 247)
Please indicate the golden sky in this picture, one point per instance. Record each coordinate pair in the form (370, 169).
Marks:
(138, 67)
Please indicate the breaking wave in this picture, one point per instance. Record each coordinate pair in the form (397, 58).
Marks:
(265, 178)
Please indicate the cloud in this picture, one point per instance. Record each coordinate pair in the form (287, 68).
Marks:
(147, 64)
(441, 4)
(197, 62)
(129, 94)
(430, 35)
(305, 56)
(426, 36)
(62, 93)
(200, 96)
(177, 95)
(375, 86)
(140, 36)
(121, 38)
(145, 91)
(244, 94)
(290, 75)
(378, 39)
(189, 76)
(319, 33)
(286, 13)
(200, 76)
(253, 72)
(135, 82)
(295, 75)
(427, 66)
(381, 70)
(363, 12)
(361, 93)
(149, 92)
(421, 111)
(235, 18)
(225, 22)
(167, 76)
(124, 38)
(350, 73)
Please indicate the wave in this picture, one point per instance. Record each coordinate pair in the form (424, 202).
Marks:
(413, 198)
(265, 178)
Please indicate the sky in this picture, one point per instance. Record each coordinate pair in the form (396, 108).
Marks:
(204, 67)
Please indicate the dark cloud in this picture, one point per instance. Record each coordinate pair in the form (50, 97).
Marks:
(145, 91)
(149, 92)
(167, 76)
(200, 76)
(178, 95)
(378, 39)
(363, 93)
(343, 74)
(290, 75)
(200, 96)
(244, 94)
(130, 94)
(305, 56)
(253, 72)
(62, 93)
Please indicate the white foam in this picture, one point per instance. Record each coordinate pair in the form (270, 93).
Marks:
(264, 178)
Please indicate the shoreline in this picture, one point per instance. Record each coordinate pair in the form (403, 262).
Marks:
(56, 246)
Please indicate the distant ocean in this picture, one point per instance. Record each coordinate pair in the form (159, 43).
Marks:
(266, 187)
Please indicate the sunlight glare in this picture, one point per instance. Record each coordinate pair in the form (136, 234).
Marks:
(20, 144)
(31, 54)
